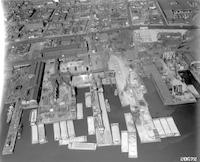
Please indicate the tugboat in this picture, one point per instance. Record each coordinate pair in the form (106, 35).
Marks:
(107, 105)
(116, 92)
(19, 132)
(10, 113)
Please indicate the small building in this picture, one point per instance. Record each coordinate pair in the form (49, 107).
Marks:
(178, 88)
(76, 66)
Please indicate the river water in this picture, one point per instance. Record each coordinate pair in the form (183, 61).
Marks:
(168, 150)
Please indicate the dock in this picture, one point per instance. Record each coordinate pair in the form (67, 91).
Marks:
(166, 127)
(162, 88)
(106, 135)
(131, 136)
(13, 130)
(146, 129)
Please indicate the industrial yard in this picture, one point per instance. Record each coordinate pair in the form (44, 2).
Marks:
(100, 81)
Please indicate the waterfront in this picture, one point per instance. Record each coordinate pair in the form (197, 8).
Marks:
(169, 150)
(79, 37)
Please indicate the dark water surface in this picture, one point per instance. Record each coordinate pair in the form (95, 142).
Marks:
(168, 150)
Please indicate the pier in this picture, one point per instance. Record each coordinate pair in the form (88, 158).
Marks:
(162, 88)
(13, 130)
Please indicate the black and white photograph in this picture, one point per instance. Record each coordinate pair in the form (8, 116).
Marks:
(100, 81)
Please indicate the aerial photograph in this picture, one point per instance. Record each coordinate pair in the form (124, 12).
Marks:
(101, 81)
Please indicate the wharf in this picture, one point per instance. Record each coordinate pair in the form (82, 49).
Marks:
(162, 88)
(13, 130)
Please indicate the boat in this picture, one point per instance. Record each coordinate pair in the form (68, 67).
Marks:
(107, 105)
(41, 133)
(33, 116)
(115, 133)
(20, 129)
(115, 92)
(10, 113)
(56, 130)
(63, 130)
(34, 134)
